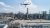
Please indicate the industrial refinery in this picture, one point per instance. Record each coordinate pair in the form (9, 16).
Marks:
(25, 20)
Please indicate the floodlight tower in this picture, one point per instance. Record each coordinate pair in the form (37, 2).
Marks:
(27, 8)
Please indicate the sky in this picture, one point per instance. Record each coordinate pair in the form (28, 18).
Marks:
(36, 6)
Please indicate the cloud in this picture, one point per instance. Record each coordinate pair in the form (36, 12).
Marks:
(34, 8)
(16, 8)
(2, 3)
(5, 8)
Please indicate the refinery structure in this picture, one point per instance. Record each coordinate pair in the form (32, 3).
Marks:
(27, 20)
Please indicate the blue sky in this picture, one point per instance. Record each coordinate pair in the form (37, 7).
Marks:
(38, 2)
(44, 4)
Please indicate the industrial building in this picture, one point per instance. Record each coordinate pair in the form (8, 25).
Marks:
(39, 23)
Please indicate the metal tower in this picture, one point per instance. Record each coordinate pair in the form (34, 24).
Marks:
(27, 8)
